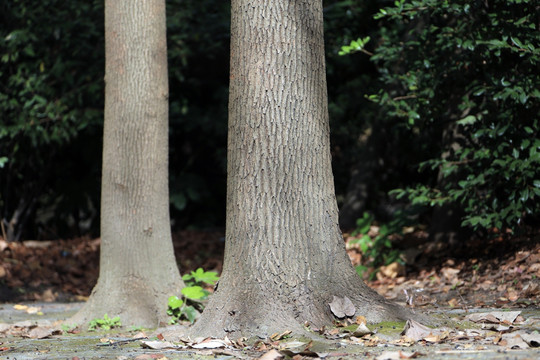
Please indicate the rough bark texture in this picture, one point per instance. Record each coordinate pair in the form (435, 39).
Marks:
(138, 270)
(285, 258)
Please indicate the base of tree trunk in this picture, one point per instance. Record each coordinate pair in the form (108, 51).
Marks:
(136, 302)
(247, 311)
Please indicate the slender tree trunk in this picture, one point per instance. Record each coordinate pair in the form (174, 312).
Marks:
(285, 257)
(138, 270)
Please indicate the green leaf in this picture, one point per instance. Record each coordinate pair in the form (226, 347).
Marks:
(194, 292)
(174, 302)
(363, 224)
(208, 277)
(468, 120)
(191, 313)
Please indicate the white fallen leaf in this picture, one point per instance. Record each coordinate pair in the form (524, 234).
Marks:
(397, 355)
(494, 317)
(24, 324)
(159, 345)
(292, 344)
(361, 330)
(210, 344)
(40, 332)
(513, 341)
(532, 339)
(33, 310)
(342, 307)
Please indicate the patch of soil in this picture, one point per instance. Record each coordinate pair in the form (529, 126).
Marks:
(67, 270)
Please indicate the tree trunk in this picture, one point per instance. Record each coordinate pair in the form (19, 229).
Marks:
(138, 270)
(285, 257)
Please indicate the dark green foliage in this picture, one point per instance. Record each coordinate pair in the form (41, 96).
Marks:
(376, 249)
(463, 78)
(51, 78)
(198, 46)
(51, 108)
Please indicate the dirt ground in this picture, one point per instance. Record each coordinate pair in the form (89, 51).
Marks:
(500, 272)
(43, 282)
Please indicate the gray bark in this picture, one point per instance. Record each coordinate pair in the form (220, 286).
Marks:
(138, 270)
(285, 258)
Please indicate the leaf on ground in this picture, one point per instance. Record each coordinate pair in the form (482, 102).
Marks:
(392, 271)
(532, 339)
(41, 332)
(159, 345)
(151, 357)
(24, 324)
(342, 307)
(279, 336)
(211, 344)
(397, 355)
(416, 331)
(34, 310)
(272, 355)
(357, 330)
(450, 274)
(4, 327)
(292, 344)
(513, 341)
(495, 317)
(299, 349)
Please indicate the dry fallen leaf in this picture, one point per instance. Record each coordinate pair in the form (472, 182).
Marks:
(210, 344)
(360, 320)
(272, 355)
(397, 355)
(278, 336)
(513, 341)
(34, 310)
(392, 270)
(41, 332)
(159, 345)
(342, 307)
(532, 339)
(416, 331)
(495, 317)
(357, 330)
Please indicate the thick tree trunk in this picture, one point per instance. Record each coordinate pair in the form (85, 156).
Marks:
(285, 258)
(138, 270)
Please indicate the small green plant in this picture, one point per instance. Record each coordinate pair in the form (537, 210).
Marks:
(378, 249)
(67, 328)
(106, 323)
(190, 304)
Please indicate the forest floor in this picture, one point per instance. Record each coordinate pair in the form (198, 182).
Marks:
(492, 285)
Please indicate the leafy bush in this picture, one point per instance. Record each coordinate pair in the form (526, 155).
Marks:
(51, 106)
(190, 305)
(52, 80)
(375, 242)
(463, 77)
